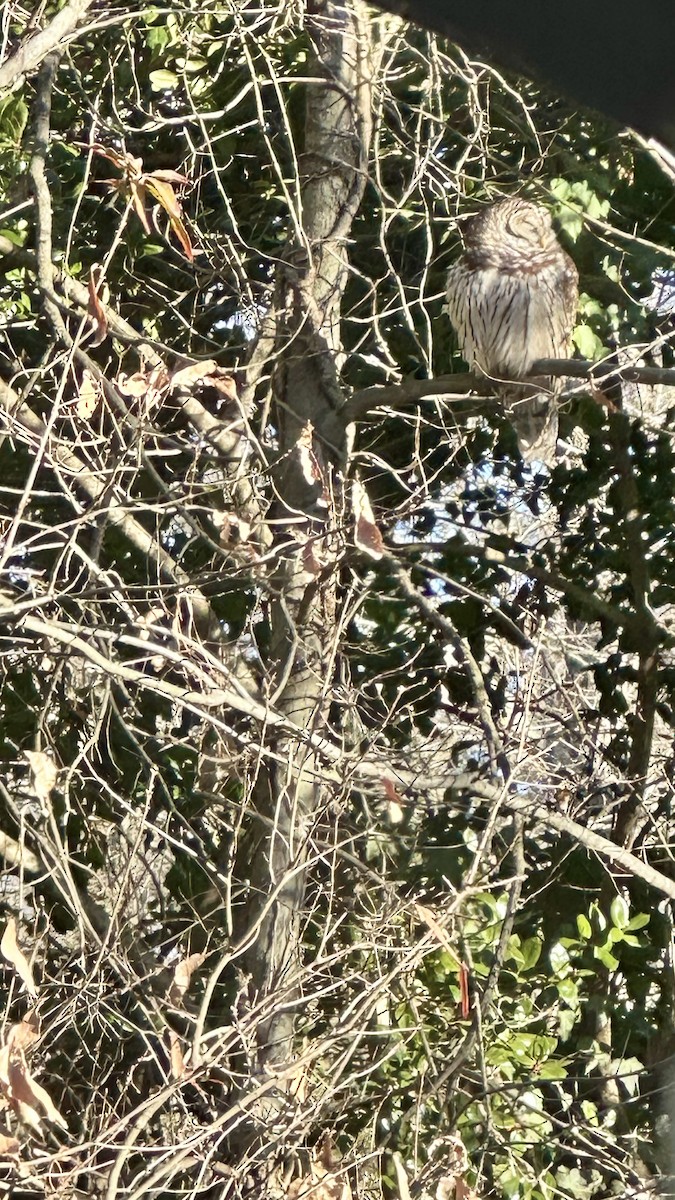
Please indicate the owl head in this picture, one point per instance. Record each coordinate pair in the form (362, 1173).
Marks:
(514, 225)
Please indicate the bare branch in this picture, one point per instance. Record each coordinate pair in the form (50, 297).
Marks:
(34, 49)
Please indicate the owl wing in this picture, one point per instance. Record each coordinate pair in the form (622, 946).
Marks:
(459, 309)
(565, 310)
(535, 418)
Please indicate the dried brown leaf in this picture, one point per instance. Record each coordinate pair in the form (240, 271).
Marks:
(395, 809)
(4, 1066)
(146, 385)
(454, 1187)
(186, 376)
(99, 293)
(9, 948)
(88, 396)
(169, 176)
(182, 976)
(164, 193)
(438, 931)
(44, 773)
(180, 232)
(133, 385)
(326, 1180)
(224, 383)
(310, 561)
(156, 183)
(176, 1054)
(137, 195)
(27, 1031)
(307, 457)
(41, 1097)
(9, 1146)
(367, 536)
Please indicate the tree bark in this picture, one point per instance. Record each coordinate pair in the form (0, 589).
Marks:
(309, 415)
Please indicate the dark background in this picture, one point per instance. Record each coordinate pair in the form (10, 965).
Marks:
(614, 56)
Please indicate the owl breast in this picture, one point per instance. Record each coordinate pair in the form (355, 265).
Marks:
(505, 322)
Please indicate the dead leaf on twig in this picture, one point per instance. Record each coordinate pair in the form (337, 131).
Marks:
(182, 976)
(44, 773)
(178, 1064)
(147, 385)
(195, 371)
(99, 294)
(395, 809)
(27, 1031)
(88, 396)
(10, 949)
(438, 931)
(137, 184)
(28, 1099)
(311, 563)
(452, 1184)
(207, 373)
(9, 1146)
(326, 1180)
(310, 466)
(367, 536)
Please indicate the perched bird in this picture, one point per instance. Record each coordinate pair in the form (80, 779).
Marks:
(512, 298)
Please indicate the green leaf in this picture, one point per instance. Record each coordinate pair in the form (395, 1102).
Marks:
(605, 957)
(597, 916)
(13, 118)
(552, 1069)
(638, 922)
(584, 926)
(531, 952)
(619, 912)
(163, 80)
(559, 958)
(568, 991)
(587, 343)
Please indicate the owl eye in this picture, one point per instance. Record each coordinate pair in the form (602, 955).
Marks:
(521, 227)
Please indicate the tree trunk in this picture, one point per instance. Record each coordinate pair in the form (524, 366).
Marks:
(309, 510)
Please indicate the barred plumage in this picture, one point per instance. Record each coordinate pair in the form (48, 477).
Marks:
(512, 298)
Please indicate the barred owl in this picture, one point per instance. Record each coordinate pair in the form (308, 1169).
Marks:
(512, 298)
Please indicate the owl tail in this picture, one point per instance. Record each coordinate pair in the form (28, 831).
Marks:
(535, 420)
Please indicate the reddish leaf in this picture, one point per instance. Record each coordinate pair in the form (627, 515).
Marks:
(169, 176)
(137, 194)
